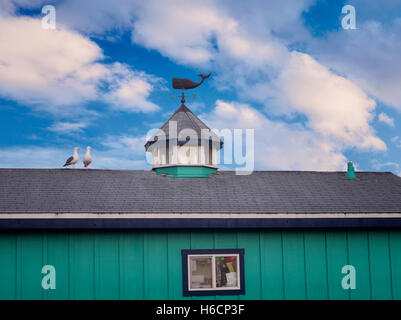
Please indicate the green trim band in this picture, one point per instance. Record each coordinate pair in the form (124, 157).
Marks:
(186, 171)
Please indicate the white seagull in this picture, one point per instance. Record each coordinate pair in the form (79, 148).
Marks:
(88, 158)
(73, 159)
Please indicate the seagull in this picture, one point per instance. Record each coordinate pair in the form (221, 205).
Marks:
(88, 158)
(73, 159)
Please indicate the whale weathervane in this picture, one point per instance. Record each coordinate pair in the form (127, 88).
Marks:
(185, 84)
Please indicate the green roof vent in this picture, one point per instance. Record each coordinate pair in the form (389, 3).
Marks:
(350, 171)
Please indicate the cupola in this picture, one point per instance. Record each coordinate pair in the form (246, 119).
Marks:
(184, 147)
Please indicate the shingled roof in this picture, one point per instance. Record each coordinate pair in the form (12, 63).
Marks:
(127, 191)
(185, 119)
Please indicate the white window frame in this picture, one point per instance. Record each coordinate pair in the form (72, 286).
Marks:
(213, 256)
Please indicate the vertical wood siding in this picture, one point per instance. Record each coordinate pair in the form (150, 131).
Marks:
(147, 264)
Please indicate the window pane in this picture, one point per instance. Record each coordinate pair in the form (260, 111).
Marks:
(201, 272)
(226, 271)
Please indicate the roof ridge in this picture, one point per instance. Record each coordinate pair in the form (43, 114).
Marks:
(220, 171)
(193, 122)
(174, 113)
(200, 120)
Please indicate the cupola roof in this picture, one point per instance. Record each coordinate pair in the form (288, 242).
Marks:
(184, 119)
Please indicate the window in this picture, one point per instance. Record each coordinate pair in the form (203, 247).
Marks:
(213, 272)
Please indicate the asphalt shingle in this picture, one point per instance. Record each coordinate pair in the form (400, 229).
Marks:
(184, 120)
(132, 191)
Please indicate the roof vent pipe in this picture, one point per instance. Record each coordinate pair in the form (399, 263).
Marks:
(350, 171)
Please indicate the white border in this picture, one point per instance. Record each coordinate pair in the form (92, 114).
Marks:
(213, 256)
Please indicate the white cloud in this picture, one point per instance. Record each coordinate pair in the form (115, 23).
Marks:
(6, 7)
(245, 42)
(98, 17)
(58, 71)
(125, 143)
(41, 67)
(120, 152)
(383, 117)
(129, 91)
(397, 141)
(335, 107)
(387, 166)
(369, 56)
(199, 33)
(11, 6)
(87, 17)
(278, 145)
(178, 34)
(197, 106)
(67, 127)
(379, 166)
(259, 66)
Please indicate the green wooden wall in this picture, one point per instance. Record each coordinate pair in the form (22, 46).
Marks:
(147, 264)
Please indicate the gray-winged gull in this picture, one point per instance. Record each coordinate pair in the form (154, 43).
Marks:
(88, 158)
(73, 159)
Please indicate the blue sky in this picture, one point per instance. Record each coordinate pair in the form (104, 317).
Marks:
(316, 94)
